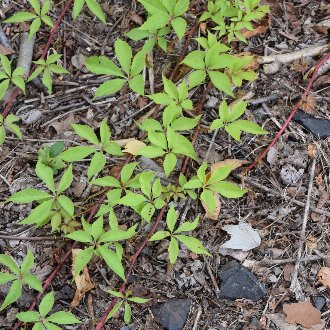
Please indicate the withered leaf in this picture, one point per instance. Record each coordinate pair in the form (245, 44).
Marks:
(303, 313)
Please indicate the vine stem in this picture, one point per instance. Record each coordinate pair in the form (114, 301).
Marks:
(42, 57)
(303, 98)
(50, 278)
(134, 258)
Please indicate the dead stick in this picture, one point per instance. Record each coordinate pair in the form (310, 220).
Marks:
(290, 260)
(295, 285)
(3, 39)
(280, 195)
(291, 115)
(184, 51)
(290, 57)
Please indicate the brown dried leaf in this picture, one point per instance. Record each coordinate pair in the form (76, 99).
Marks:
(215, 214)
(303, 313)
(63, 125)
(83, 282)
(288, 271)
(312, 150)
(6, 51)
(308, 103)
(258, 28)
(134, 146)
(235, 163)
(136, 18)
(322, 200)
(324, 276)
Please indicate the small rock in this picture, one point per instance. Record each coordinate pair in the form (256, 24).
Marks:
(317, 126)
(212, 102)
(238, 282)
(173, 314)
(319, 302)
(290, 175)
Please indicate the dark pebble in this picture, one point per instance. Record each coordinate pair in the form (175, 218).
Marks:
(173, 314)
(238, 282)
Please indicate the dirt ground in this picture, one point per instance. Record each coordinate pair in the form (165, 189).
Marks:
(278, 187)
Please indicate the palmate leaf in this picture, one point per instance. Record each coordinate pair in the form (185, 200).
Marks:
(77, 153)
(13, 294)
(28, 195)
(46, 304)
(155, 22)
(102, 65)
(96, 9)
(221, 82)
(136, 84)
(235, 128)
(112, 260)
(39, 214)
(193, 244)
(110, 87)
(179, 26)
(97, 164)
(82, 259)
(173, 250)
(123, 53)
(62, 317)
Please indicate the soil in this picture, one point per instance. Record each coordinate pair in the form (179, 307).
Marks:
(278, 186)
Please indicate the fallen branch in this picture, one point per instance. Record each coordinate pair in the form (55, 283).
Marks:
(24, 59)
(317, 67)
(293, 56)
(280, 194)
(43, 55)
(4, 40)
(295, 286)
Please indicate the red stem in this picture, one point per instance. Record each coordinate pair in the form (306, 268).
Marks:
(303, 97)
(42, 57)
(130, 268)
(122, 289)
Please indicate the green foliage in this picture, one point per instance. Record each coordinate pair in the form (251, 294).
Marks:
(38, 16)
(155, 37)
(55, 208)
(18, 276)
(176, 236)
(9, 123)
(42, 321)
(48, 68)
(125, 300)
(162, 13)
(228, 119)
(164, 140)
(214, 182)
(130, 71)
(92, 5)
(8, 76)
(146, 202)
(213, 59)
(99, 242)
(231, 17)
(49, 156)
(99, 149)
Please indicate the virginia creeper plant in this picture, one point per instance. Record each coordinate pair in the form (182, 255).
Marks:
(167, 140)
